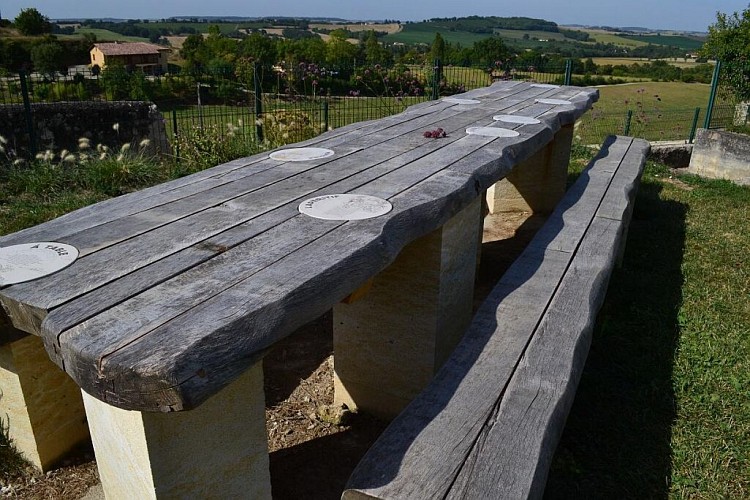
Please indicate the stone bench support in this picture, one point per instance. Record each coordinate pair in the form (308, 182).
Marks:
(39, 404)
(537, 184)
(389, 344)
(218, 450)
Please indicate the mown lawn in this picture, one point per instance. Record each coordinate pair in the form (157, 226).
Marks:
(663, 408)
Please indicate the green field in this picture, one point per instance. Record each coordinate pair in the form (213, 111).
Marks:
(683, 42)
(103, 35)
(665, 96)
(225, 28)
(660, 111)
(538, 35)
(425, 33)
(609, 37)
(627, 61)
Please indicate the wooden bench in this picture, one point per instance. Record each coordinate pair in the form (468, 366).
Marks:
(180, 289)
(487, 426)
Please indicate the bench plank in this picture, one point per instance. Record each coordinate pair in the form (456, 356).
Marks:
(454, 440)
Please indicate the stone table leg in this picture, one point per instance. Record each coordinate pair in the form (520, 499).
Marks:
(537, 184)
(389, 344)
(39, 403)
(218, 450)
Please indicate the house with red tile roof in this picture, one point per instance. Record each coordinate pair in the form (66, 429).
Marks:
(150, 58)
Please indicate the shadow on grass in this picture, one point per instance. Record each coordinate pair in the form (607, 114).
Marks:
(616, 442)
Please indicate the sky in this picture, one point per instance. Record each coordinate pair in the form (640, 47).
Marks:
(688, 15)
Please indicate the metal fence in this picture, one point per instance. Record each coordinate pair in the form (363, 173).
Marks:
(729, 96)
(288, 103)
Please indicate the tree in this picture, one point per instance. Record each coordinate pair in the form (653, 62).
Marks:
(31, 22)
(729, 42)
(437, 51)
(491, 52)
(46, 57)
(340, 53)
(374, 52)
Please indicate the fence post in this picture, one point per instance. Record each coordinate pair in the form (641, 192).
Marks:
(27, 113)
(200, 106)
(258, 98)
(175, 135)
(437, 70)
(568, 72)
(628, 119)
(325, 116)
(694, 126)
(712, 95)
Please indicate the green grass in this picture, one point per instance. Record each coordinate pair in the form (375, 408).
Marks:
(627, 61)
(663, 407)
(661, 111)
(609, 37)
(225, 28)
(103, 35)
(672, 96)
(425, 33)
(683, 42)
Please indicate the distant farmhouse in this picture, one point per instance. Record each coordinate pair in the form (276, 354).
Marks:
(151, 59)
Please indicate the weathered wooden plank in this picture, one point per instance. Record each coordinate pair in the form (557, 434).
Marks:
(618, 203)
(514, 451)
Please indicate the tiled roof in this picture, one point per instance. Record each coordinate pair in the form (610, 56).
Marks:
(128, 48)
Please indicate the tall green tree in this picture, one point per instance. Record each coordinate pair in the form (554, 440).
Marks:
(31, 22)
(374, 52)
(339, 51)
(437, 50)
(490, 52)
(46, 56)
(729, 41)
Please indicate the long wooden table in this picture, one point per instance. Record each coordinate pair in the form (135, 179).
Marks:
(181, 288)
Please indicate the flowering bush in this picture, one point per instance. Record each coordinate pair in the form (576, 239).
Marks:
(284, 126)
(397, 82)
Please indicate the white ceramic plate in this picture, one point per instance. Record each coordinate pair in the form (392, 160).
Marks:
(29, 261)
(301, 154)
(345, 207)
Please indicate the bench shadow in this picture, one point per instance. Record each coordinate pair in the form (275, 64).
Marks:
(295, 357)
(616, 442)
(318, 469)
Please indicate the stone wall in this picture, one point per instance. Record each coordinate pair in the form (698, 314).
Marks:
(60, 125)
(721, 155)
